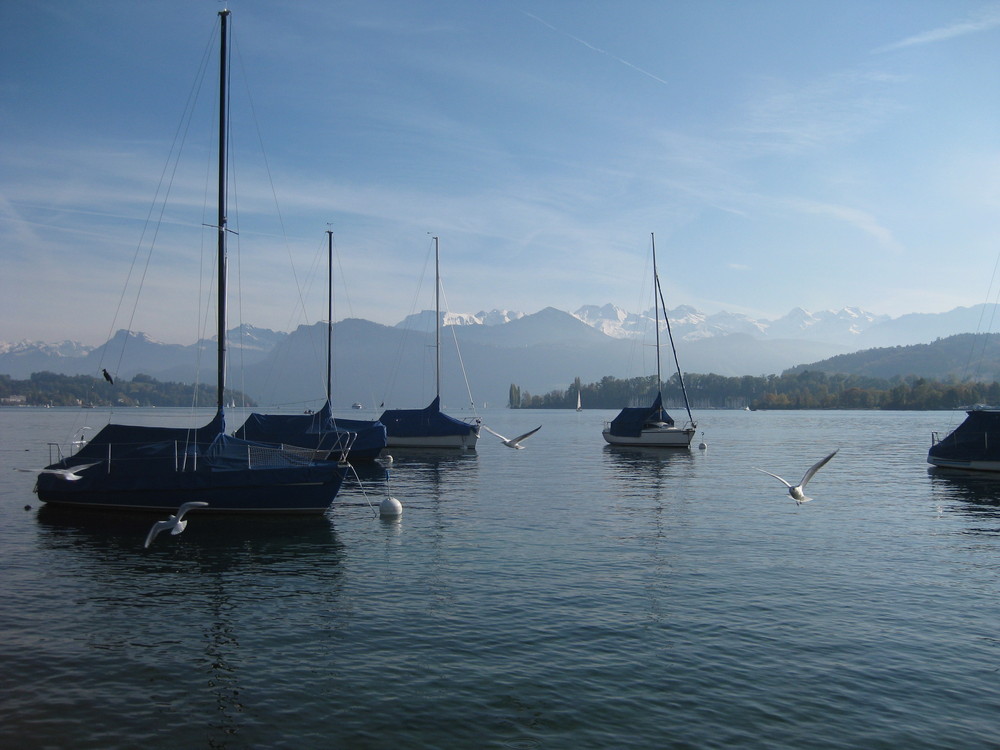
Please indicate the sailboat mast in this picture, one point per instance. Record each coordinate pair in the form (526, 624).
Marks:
(656, 315)
(329, 314)
(658, 300)
(437, 320)
(224, 16)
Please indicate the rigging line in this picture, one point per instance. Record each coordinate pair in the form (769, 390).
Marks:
(173, 155)
(458, 351)
(670, 335)
(270, 180)
(979, 326)
(407, 332)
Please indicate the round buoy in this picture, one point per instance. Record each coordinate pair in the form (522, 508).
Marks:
(390, 508)
(27, 507)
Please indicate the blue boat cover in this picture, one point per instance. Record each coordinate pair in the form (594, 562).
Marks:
(160, 467)
(318, 431)
(976, 439)
(630, 421)
(429, 422)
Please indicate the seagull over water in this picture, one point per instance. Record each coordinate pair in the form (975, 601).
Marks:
(514, 442)
(69, 474)
(796, 490)
(174, 524)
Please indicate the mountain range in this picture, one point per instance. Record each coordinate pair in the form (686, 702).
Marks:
(540, 352)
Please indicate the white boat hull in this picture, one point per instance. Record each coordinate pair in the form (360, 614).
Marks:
(655, 437)
(945, 463)
(459, 442)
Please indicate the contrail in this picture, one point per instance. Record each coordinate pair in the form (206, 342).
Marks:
(986, 20)
(588, 45)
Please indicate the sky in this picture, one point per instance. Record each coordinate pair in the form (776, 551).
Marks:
(785, 154)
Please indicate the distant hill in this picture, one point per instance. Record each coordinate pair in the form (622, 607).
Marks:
(540, 352)
(963, 357)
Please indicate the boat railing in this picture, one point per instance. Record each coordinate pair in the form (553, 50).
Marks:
(55, 453)
(187, 455)
(267, 457)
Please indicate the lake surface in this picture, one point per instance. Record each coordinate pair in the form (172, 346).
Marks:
(569, 595)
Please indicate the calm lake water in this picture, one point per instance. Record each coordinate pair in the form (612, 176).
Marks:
(569, 595)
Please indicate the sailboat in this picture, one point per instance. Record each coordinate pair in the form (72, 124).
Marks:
(579, 403)
(651, 426)
(430, 427)
(353, 439)
(159, 468)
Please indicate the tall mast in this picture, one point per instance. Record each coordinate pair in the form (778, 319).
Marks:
(224, 16)
(656, 313)
(658, 294)
(329, 315)
(437, 320)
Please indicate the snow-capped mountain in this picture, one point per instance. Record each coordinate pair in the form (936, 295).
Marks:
(724, 343)
(424, 320)
(687, 323)
(58, 349)
(840, 326)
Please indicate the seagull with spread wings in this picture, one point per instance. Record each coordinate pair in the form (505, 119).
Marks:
(174, 524)
(796, 491)
(513, 442)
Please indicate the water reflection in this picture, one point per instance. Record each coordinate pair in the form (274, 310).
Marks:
(641, 471)
(417, 476)
(971, 487)
(192, 613)
(975, 495)
(213, 542)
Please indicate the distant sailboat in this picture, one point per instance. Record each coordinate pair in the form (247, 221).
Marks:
(579, 404)
(651, 426)
(159, 468)
(430, 427)
(353, 439)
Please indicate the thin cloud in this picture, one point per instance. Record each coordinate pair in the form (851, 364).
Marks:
(835, 108)
(986, 20)
(861, 220)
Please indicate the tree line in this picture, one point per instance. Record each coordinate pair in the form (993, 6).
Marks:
(800, 390)
(51, 389)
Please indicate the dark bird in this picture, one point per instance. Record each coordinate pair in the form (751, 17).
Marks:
(796, 491)
(107, 376)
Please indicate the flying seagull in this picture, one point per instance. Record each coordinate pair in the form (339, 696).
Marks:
(69, 474)
(514, 442)
(107, 376)
(796, 490)
(174, 523)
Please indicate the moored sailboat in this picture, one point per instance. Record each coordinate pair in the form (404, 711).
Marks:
(430, 427)
(651, 426)
(159, 468)
(973, 446)
(353, 439)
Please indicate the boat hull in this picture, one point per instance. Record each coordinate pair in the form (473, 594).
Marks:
(452, 442)
(308, 489)
(944, 463)
(428, 428)
(973, 446)
(671, 437)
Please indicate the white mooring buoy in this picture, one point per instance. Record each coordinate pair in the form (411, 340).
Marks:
(390, 508)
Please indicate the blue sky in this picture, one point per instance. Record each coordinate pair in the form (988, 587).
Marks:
(819, 155)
